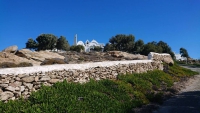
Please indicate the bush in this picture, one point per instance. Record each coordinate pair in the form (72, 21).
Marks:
(24, 64)
(7, 65)
(53, 61)
(96, 48)
(12, 65)
(77, 48)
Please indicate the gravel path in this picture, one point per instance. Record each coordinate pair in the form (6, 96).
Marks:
(187, 101)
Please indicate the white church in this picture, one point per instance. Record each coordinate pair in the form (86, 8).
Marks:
(179, 57)
(88, 45)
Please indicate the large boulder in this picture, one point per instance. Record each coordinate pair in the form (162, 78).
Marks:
(169, 61)
(116, 54)
(28, 56)
(4, 55)
(11, 49)
(127, 56)
(26, 53)
(37, 56)
(12, 58)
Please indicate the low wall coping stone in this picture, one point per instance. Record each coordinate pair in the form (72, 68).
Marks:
(48, 68)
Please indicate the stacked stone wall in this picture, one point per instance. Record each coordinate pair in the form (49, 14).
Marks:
(21, 84)
(164, 57)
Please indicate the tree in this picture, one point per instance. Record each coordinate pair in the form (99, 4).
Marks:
(122, 42)
(184, 53)
(160, 47)
(62, 44)
(139, 46)
(31, 44)
(46, 41)
(151, 47)
(108, 47)
(77, 48)
(166, 48)
(96, 48)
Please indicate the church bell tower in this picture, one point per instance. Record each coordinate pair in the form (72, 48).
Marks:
(75, 39)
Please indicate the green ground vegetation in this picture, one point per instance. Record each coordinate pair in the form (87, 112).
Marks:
(104, 96)
(13, 65)
(193, 65)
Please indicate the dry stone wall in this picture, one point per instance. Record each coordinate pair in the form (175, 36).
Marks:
(20, 82)
(164, 57)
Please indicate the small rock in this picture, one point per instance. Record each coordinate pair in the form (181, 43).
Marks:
(29, 85)
(15, 84)
(6, 95)
(52, 76)
(17, 94)
(142, 70)
(10, 88)
(5, 81)
(36, 78)
(17, 89)
(17, 78)
(97, 78)
(54, 81)
(28, 79)
(45, 78)
(21, 75)
(22, 88)
(3, 76)
(1, 90)
(13, 98)
(3, 85)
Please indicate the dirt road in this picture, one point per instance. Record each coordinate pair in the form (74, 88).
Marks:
(187, 101)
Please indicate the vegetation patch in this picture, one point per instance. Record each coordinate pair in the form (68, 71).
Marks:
(12, 65)
(53, 61)
(111, 96)
(177, 72)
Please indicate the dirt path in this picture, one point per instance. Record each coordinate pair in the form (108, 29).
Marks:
(187, 101)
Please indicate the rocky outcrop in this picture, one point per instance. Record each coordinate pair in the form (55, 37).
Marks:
(11, 49)
(126, 56)
(10, 57)
(39, 56)
(14, 86)
(28, 56)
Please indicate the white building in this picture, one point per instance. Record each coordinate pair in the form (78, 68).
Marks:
(179, 57)
(88, 45)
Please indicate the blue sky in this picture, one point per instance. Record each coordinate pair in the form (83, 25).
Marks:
(176, 22)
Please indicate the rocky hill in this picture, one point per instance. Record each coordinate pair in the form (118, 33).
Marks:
(12, 55)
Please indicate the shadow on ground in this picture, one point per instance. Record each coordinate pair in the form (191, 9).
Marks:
(186, 102)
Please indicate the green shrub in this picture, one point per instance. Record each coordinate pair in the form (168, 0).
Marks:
(7, 65)
(53, 61)
(24, 64)
(177, 71)
(12, 65)
(77, 48)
